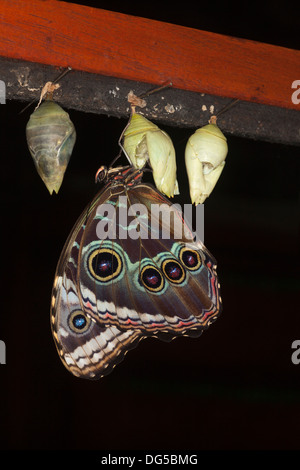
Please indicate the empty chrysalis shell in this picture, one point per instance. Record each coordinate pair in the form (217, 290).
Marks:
(145, 142)
(205, 155)
(50, 137)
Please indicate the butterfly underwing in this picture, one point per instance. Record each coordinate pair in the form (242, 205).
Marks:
(130, 269)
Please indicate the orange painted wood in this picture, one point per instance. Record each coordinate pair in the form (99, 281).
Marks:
(114, 44)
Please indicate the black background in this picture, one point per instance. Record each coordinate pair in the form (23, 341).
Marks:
(233, 388)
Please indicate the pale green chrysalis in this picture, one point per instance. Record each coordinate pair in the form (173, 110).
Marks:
(145, 142)
(205, 155)
(50, 137)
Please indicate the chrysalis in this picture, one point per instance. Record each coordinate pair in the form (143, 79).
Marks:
(145, 142)
(205, 155)
(50, 137)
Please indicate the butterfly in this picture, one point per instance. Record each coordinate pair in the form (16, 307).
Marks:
(128, 272)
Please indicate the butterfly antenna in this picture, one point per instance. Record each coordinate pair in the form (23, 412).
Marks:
(120, 145)
(116, 158)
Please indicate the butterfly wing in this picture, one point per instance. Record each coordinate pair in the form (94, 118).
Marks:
(87, 349)
(138, 282)
(114, 288)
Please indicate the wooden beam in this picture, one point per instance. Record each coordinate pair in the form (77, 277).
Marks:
(98, 94)
(138, 49)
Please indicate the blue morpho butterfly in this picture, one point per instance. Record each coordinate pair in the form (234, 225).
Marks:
(115, 288)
